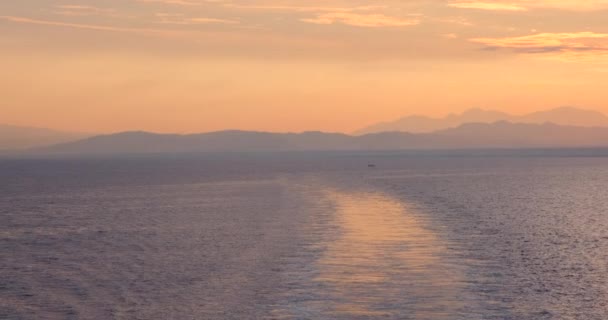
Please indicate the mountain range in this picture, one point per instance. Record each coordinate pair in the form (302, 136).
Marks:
(17, 137)
(475, 135)
(567, 116)
(475, 128)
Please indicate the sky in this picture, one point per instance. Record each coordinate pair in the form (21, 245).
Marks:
(284, 65)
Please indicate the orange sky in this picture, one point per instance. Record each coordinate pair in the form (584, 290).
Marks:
(332, 65)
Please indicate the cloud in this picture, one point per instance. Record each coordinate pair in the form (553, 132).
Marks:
(360, 16)
(144, 31)
(568, 46)
(82, 10)
(524, 5)
(455, 20)
(361, 20)
(173, 2)
(304, 8)
(178, 19)
(488, 6)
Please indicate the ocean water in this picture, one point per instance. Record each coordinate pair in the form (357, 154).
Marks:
(305, 236)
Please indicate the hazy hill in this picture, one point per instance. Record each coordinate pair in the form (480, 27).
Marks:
(477, 135)
(15, 137)
(567, 116)
(127, 142)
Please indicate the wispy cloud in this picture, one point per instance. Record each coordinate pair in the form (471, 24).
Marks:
(304, 8)
(488, 6)
(179, 19)
(361, 20)
(143, 31)
(524, 5)
(82, 10)
(174, 2)
(455, 20)
(360, 16)
(569, 46)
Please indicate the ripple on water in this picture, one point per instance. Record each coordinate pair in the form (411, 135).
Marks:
(379, 259)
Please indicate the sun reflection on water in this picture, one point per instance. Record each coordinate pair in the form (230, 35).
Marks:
(386, 262)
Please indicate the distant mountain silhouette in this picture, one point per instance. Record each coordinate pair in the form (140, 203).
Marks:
(233, 140)
(16, 137)
(477, 135)
(567, 116)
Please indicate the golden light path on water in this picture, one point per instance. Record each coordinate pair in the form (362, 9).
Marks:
(386, 262)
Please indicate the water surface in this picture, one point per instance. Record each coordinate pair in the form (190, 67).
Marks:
(315, 236)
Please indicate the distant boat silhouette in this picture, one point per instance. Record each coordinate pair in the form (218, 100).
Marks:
(371, 165)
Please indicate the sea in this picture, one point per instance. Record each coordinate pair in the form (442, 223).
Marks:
(486, 234)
